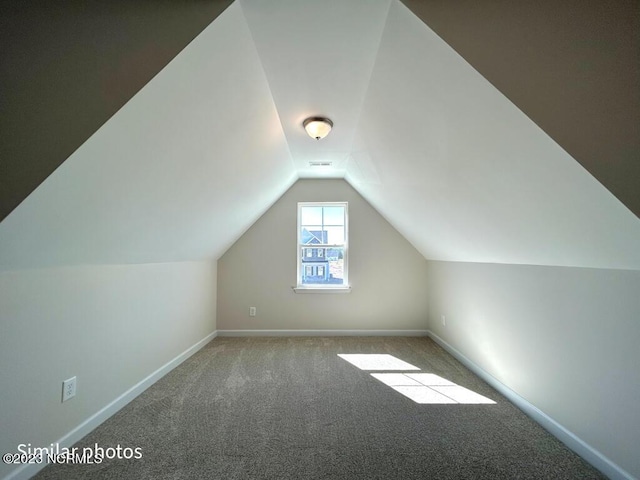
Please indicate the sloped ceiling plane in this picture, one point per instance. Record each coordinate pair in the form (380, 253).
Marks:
(145, 131)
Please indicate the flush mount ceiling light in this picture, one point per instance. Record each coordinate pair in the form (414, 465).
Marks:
(317, 127)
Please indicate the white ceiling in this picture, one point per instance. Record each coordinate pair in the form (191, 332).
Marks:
(466, 176)
(216, 137)
(318, 58)
(179, 173)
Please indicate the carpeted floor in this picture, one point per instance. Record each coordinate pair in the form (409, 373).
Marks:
(290, 408)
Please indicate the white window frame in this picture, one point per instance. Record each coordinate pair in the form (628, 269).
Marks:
(300, 251)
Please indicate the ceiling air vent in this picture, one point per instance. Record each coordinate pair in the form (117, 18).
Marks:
(320, 164)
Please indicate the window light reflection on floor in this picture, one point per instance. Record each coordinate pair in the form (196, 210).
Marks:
(377, 362)
(430, 388)
(423, 388)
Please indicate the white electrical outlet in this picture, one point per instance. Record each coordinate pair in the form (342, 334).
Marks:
(252, 311)
(68, 389)
(444, 320)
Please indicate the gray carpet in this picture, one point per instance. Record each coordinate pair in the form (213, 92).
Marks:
(290, 408)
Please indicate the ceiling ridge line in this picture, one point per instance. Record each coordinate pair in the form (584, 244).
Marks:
(367, 86)
(266, 78)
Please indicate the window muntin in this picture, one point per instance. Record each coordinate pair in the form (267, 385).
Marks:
(323, 244)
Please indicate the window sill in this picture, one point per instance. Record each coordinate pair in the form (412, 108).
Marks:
(342, 289)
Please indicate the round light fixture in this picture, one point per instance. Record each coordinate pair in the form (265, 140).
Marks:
(317, 127)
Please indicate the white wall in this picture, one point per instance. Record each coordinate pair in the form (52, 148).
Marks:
(111, 326)
(387, 275)
(565, 339)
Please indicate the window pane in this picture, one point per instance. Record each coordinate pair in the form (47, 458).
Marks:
(333, 215)
(335, 260)
(324, 271)
(335, 235)
(311, 216)
(336, 253)
(312, 235)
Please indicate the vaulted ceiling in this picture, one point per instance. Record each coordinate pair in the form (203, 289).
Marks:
(474, 137)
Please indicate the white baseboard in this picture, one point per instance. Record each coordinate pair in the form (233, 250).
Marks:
(586, 451)
(590, 454)
(27, 471)
(322, 333)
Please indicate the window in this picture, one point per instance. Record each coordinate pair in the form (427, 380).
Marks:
(322, 246)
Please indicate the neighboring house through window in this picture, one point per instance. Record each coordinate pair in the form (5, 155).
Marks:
(322, 244)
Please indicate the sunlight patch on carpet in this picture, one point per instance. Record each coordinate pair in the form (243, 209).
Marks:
(422, 388)
(377, 362)
(430, 388)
